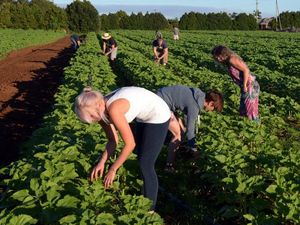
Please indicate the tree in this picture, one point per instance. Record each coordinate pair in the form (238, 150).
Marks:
(82, 17)
(245, 22)
(189, 21)
(22, 16)
(48, 15)
(5, 15)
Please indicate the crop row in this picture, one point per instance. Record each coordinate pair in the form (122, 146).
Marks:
(279, 81)
(247, 172)
(49, 184)
(12, 39)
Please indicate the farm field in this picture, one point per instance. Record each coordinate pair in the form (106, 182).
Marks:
(13, 39)
(247, 173)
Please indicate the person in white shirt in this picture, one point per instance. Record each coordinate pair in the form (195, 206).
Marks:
(114, 112)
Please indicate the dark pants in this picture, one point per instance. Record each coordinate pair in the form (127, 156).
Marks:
(149, 141)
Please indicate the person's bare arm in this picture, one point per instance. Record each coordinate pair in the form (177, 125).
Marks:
(103, 47)
(112, 48)
(111, 145)
(117, 112)
(165, 52)
(155, 52)
(241, 65)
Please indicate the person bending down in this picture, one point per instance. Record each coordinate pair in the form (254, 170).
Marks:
(109, 46)
(114, 112)
(189, 101)
(241, 75)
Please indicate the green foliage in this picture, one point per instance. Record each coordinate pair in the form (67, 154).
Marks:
(245, 22)
(37, 14)
(120, 20)
(290, 19)
(217, 21)
(49, 185)
(12, 39)
(82, 16)
(247, 172)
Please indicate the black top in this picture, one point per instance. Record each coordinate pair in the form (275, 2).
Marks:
(110, 42)
(161, 47)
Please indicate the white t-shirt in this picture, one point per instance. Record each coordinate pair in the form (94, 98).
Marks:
(145, 106)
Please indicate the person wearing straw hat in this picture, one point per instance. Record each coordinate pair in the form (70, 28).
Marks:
(109, 46)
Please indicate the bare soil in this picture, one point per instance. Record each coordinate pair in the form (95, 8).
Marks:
(29, 79)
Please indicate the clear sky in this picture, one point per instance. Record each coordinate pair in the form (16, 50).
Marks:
(267, 7)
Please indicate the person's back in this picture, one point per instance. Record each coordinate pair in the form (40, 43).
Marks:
(75, 41)
(181, 97)
(145, 106)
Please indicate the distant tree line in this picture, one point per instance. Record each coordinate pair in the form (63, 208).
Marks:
(82, 16)
(288, 20)
(189, 21)
(35, 14)
(79, 16)
(140, 21)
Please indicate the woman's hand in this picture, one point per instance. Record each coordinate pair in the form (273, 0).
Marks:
(98, 170)
(109, 178)
(245, 88)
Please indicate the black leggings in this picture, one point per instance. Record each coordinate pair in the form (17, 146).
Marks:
(149, 141)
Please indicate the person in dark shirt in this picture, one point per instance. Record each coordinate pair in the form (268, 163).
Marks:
(190, 101)
(109, 46)
(160, 50)
(75, 41)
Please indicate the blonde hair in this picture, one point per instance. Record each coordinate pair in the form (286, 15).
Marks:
(87, 98)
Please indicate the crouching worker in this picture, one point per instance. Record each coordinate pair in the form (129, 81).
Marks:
(160, 50)
(189, 101)
(109, 46)
(75, 41)
(114, 112)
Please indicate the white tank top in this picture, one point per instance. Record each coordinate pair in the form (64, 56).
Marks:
(145, 106)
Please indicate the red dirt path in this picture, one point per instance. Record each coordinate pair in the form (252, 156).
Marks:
(28, 80)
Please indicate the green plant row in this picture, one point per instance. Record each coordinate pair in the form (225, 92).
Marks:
(12, 39)
(274, 66)
(49, 184)
(247, 172)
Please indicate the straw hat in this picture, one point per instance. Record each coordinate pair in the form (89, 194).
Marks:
(106, 36)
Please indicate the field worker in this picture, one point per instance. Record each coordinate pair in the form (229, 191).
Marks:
(160, 50)
(109, 46)
(240, 74)
(175, 33)
(189, 101)
(75, 41)
(114, 112)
